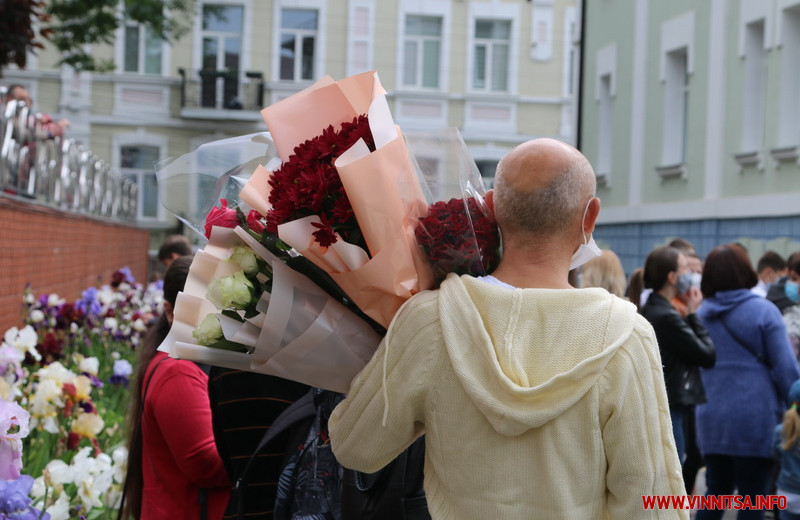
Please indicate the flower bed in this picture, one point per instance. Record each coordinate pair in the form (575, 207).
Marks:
(69, 366)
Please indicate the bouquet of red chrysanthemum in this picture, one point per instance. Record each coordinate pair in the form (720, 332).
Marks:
(459, 238)
(309, 184)
(357, 183)
(335, 229)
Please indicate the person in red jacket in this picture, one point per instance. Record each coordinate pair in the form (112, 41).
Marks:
(175, 471)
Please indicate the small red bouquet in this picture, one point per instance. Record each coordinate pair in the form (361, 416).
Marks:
(459, 238)
(308, 184)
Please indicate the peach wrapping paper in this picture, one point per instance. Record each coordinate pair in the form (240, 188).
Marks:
(302, 333)
(382, 186)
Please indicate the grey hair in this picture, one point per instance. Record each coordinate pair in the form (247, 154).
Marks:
(543, 211)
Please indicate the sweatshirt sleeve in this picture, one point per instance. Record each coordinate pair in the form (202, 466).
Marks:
(689, 339)
(383, 412)
(637, 432)
(183, 413)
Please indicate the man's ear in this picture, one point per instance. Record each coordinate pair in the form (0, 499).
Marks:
(592, 213)
(489, 199)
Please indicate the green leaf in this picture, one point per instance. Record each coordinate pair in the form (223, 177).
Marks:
(230, 313)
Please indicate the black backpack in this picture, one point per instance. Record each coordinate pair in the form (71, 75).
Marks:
(314, 486)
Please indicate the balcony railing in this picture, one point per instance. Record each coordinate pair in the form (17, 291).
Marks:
(58, 172)
(222, 89)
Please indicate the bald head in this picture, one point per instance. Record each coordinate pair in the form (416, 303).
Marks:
(541, 188)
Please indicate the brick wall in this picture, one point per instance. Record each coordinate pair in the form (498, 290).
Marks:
(61, 253)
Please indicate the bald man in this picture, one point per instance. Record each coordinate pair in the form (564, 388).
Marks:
(537, 400)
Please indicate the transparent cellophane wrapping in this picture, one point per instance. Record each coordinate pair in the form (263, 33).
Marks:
(320, 324)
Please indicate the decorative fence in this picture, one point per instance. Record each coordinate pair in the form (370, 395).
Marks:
(59, 172)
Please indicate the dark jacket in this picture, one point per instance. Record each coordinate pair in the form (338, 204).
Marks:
(777, 295)
(685, 346)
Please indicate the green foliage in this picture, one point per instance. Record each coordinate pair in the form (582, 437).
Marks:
(74, 25)
(17, 34)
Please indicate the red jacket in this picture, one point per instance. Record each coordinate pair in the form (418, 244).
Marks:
(179, 456)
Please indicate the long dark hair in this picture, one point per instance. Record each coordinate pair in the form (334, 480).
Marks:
(174, 280)
(659, 263)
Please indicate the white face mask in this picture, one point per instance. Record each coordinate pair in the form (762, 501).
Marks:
(588, 249)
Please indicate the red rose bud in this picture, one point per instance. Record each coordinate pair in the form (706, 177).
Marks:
(221, 216)
(255, 222)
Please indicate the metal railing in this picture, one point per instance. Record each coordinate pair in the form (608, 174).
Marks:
(222, 89)
(58, 172)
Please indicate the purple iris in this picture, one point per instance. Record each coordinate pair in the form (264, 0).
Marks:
(88, 304)
(15, 504)
(128, 275)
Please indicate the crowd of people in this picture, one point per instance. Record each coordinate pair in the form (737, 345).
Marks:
(551, 388)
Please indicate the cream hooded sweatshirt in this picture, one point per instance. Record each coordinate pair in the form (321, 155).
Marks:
(535, 404)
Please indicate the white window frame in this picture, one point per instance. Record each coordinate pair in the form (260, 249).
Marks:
(754, 86)
(788, 39)
(438, 8)
(299, 36)
(244, 63)
(677, 38)
(140, 138)
(319, 43)
(355, 39)
(605, 92)
(420, 41)
(501, 12)
(119, 52)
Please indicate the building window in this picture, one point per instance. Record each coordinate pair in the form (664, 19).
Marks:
(487, 167)
(143, 50)
(604, 126)
(755, 76)
(422, 51)
(136, 162)
(491, 55)
(789, 129)
(298, 43)
(222, 36)
(221, 54)
(676, 103)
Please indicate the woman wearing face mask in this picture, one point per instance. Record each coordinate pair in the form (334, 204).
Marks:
(683, 341)
(748, 387)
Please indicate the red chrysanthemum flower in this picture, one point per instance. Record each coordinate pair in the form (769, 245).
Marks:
(308, 184)
(458, 239)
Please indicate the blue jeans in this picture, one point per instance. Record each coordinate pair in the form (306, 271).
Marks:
(747, 475)
(677, 413)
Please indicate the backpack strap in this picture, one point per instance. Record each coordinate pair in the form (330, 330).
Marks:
(758, 355)
(302, 409)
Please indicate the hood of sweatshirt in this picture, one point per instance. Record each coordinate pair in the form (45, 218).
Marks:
(524, 356)
(724, 301)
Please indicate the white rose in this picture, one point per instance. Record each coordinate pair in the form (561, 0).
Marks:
(246, 258)
(231, 291)
(37, 316)
(54, 301)
(209, 331)
(90, 365)
(139, 325)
